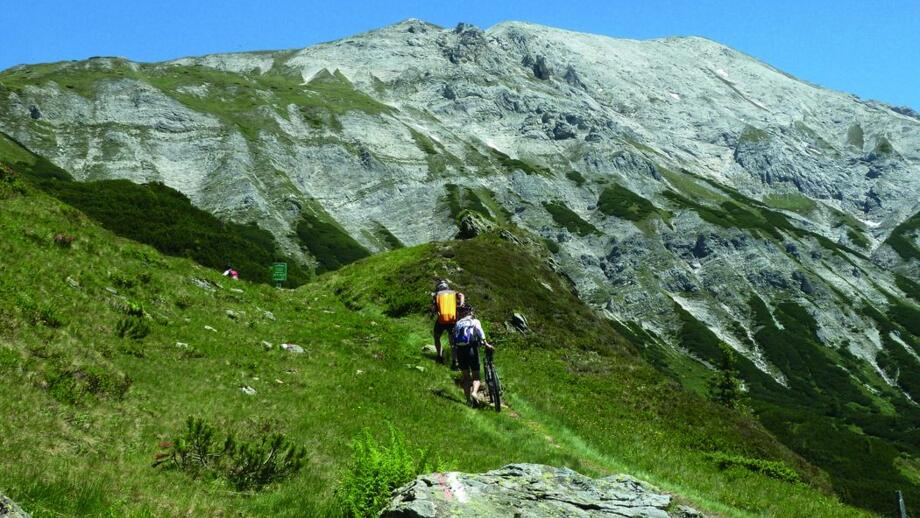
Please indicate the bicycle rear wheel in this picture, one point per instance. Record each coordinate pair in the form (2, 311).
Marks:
(495, 387)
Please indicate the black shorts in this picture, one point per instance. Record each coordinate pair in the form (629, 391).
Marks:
(439, 329)
(468, 357)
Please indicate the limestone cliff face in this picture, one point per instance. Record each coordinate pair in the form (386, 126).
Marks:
(673, 179)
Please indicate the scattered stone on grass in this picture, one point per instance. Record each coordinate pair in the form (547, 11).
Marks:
(519, 322)
(203, 284)
(292, 348)
(249, 391)
(209, 328)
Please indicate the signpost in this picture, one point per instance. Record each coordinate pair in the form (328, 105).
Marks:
(279, 273)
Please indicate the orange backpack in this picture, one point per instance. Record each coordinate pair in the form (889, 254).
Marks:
(446, 302)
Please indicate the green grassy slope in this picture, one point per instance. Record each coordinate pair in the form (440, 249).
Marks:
(84, 409)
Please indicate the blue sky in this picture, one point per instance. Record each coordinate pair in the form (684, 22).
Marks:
(869, 48)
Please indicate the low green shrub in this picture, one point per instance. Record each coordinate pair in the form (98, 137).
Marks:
(248, 464)
(78, 385)
(133, 327)
(376, 470)
(10, 183)
(39, 313)
(771, 468)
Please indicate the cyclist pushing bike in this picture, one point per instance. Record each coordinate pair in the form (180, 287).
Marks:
(468, 337)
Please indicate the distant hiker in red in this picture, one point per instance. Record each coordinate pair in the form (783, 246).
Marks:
(233, 274)
(444, 304)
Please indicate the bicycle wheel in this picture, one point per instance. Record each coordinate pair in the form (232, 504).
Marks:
(495, 387)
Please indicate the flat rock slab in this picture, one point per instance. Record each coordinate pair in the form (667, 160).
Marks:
(9, 509)
(528, 490)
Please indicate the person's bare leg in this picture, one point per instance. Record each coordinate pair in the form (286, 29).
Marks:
(466, 383)
(475, 384)
(437, 344)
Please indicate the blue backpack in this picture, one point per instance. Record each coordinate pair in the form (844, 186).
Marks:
(465, 333)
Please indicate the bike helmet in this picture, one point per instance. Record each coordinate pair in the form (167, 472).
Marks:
(441, 285)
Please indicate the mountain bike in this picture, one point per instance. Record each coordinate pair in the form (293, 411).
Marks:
(492, 382)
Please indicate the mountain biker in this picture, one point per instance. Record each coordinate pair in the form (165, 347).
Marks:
(468, 337)
(444, 304)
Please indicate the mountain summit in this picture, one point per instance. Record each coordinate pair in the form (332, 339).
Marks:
(694, 195)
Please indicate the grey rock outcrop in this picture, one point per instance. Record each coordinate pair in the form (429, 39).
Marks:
(9, 509)
(473, 224)
(529, 490)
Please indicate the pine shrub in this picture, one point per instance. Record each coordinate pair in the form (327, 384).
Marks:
(246, 464)
(771, 468)
(133, 327)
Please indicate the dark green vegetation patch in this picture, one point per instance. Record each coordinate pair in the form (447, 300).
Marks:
(514, 164)
(161, 217)
(165, 219)
(384, 234)
(739, 211)
(901, 238)
(753, 135)
(459, 198)
(576, 178)
(909, 287)
(620, 202)
(331, 246)
(565, 217)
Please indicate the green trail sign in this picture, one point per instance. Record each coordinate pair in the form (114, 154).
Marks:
(279, 273)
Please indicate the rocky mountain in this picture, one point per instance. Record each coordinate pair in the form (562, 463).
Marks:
(695, 195)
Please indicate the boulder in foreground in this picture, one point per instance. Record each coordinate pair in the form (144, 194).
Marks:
(9, 509)
(529, 490)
